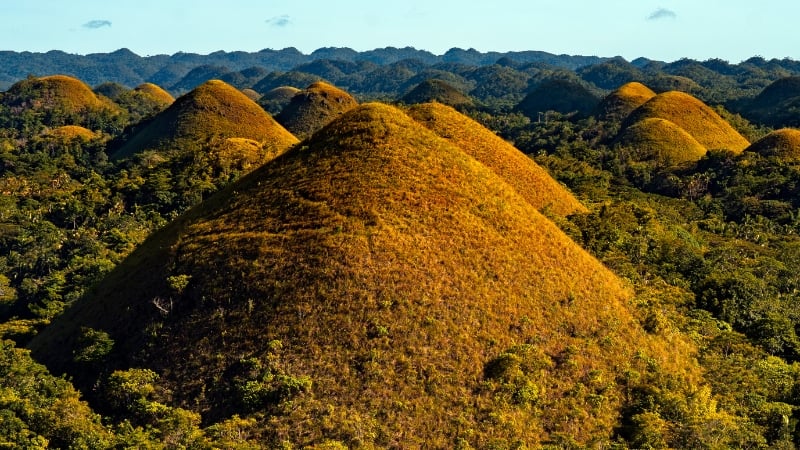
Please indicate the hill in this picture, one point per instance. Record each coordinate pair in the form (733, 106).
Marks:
(438, 91)
(562, 96)
(520, 171)
(622, 101)
(69, 132)
(694, 116)
(783, 143)
(213, 109)
(778, 105)
(63, 100)
(155, 93)
(377, 287)
(662, 142)
(311, 109)
(273, 101)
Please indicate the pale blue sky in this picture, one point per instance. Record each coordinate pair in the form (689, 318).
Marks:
(659, 29)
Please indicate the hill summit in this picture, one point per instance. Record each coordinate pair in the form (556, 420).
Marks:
(624, 100)
(312, 108)
(378, 287)
(662, 142)
(213, 109)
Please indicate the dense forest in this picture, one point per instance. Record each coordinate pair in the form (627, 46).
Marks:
(264, 251)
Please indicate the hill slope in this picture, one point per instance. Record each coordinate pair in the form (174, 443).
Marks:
(661, 141)
(783, 143)
(213, 109)
(562, 96)
(625, 99)
(436, 90)
(155, 93)
(521, 172)
(312, 108)
(378, 287)
(694, 116)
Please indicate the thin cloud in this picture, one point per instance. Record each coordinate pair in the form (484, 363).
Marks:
(662, 13)
(95, 24)
(279, 21)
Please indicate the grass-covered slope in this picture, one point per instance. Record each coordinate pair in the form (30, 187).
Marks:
(438, 91)
(213, 109)
(378, 287)
(695, 117)
(274, 100)
(783, 143)
(621, 102)
(517, 169)
(661, 141)
(69, 132)
(155, 93)
(314, 107)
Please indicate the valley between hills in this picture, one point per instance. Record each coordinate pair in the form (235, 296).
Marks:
(393, 249)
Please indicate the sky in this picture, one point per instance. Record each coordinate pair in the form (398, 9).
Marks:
(666, 30)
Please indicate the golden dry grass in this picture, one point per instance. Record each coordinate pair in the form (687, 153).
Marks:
(69, 132)
(389, 267)
(783, 143)
(213, 109)
(313, 108)
(156, 93)
(661, 141)
(528, 178)
(621, 102)
(695, 117)
(57, 91)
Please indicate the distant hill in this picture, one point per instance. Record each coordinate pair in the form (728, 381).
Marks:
(624, 100)
(778, 105)
(783, 143)
(439, 91)
(530, 180)
(661, 141)
(214, 109)
(69, 132)
(311, 109)
(155, 93)
(694, 116)
(376, 286)
(561, 96)
(198, 76)
(274, 100)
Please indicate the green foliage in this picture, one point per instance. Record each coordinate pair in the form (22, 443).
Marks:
(94, 345)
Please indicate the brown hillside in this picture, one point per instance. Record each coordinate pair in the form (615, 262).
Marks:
(156, 93)
(69, 132)
(365, 288)
(251, 94)
(57, 92)
(521, 172)
(661, 141)
(783, 143)
(314, 107)
(694, 116)
(621, 102)
(213, 109)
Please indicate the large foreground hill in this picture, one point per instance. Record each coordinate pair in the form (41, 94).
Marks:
(377, 286)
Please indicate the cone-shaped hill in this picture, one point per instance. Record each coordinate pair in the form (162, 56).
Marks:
(662, 142)
(376, 286)
(694, 116)
(314, 107)
(783, 143)
(68, 98)
(562, 96)
(273, 101)
(434, 90)
(213, 109)
(155, 93)
(529, 179)
(777, 104)
(621, 102)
